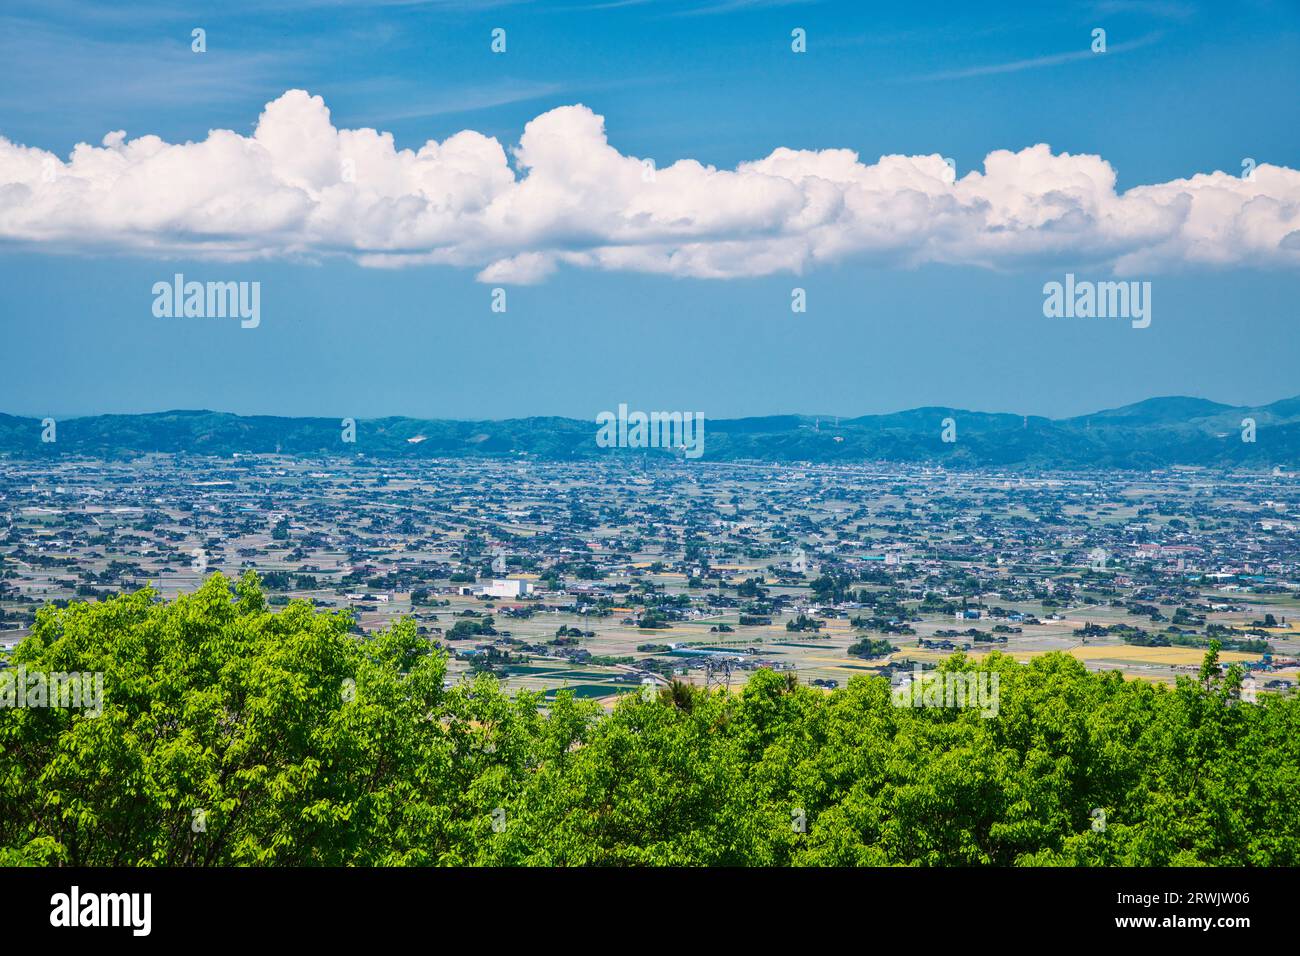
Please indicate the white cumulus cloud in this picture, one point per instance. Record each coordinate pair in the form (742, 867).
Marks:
(300, 187)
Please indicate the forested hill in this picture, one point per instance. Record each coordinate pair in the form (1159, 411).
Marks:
(1152, 433)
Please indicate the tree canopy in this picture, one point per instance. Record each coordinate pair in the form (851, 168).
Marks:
(234, 735)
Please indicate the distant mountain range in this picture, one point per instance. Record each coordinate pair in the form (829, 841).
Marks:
(1153, 433)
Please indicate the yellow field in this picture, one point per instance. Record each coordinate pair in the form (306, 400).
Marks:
(925, 655)
(1114, 652)
(1156, 655)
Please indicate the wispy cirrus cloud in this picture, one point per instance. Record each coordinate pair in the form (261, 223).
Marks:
(42, 67)
(714, 7)
(1036, 62)
(1156, 9)
(418, 104)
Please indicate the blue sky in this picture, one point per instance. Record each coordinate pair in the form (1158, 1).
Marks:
(1184, 88)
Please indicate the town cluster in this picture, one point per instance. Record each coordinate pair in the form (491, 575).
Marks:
(604, 576)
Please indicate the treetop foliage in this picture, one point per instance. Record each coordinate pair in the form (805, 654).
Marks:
(231, 735)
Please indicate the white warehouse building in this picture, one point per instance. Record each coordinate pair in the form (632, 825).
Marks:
(508, 588)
